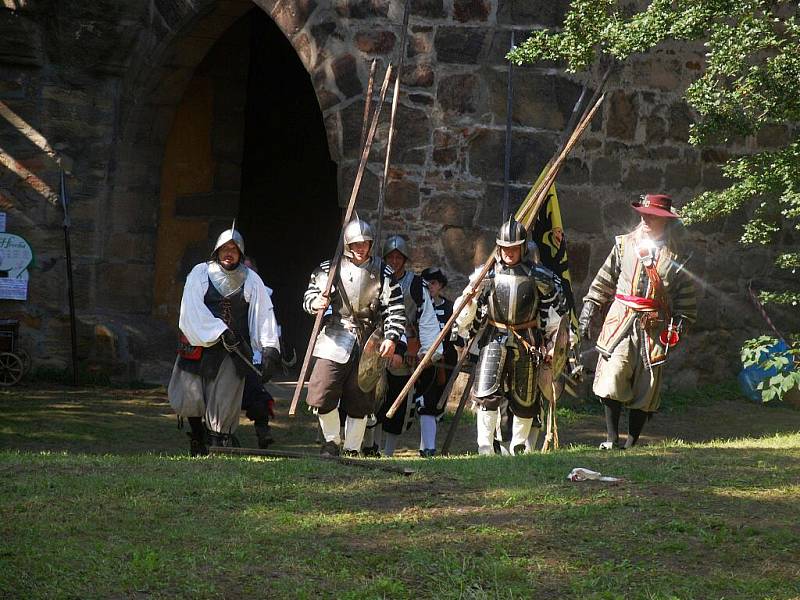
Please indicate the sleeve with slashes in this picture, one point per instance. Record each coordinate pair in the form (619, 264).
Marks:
(684, 299)
(604, 286)
(393, 309)
(316, 285)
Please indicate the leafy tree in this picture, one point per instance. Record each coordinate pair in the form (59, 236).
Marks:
(751, 81)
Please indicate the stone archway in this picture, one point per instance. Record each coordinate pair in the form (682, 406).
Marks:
(164, 66)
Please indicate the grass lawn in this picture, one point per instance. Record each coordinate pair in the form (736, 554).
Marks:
(98, 500)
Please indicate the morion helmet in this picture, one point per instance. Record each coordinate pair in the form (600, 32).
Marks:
(227, 236)
(357, 231)
(395, 242)
(513, 233)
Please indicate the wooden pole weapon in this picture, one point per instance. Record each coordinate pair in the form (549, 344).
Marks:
(340, 245)
(526, 214)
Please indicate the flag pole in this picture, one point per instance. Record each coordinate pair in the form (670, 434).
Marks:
(70, 287)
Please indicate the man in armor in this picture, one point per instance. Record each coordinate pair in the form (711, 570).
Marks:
(421, 330)
(651, 299)
(226, 314)
(363, 293)
(520, 300)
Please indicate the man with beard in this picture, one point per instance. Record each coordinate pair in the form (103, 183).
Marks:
(651, 298)
(226, 314)
(363, 294)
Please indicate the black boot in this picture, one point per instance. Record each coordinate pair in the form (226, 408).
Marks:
(264, 435)
(197, 437)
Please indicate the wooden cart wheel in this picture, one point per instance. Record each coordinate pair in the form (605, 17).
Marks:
(11, 369)
(26, 361)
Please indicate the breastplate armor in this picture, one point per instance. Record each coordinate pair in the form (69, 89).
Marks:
(515, 298)
(226, 282)
(362, 285)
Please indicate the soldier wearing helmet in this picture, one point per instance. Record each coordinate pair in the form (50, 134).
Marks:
(226, 314)
(421, 330)
(364, 302)
(519, 300)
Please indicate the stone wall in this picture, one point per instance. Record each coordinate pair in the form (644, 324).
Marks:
(101, 82)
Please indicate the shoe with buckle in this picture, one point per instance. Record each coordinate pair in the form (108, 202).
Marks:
(350, 453)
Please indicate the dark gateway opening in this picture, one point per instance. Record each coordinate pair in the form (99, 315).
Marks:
(288, 214)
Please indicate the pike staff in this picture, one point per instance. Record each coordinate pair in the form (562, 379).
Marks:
(526, 214)
(395, 96)
(340, 245)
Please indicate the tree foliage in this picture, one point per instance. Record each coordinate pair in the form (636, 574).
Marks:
(750, 85)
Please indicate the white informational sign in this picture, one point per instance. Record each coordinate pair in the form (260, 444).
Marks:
(2, 222)
(14, 289)
(15, 258)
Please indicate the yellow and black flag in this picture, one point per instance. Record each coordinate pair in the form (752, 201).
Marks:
(548, 233)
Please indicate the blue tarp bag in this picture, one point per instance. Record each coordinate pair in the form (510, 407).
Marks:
(751, 376)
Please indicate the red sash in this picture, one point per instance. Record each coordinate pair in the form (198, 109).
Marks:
(187, 351)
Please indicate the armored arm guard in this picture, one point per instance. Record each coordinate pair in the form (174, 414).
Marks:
(553, 301)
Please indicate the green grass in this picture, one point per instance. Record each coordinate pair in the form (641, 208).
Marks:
(87, 512)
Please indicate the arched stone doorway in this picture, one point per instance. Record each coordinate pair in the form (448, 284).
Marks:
(248, 142)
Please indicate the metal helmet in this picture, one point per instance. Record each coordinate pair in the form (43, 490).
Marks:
(395, 242)
(357, 231)
(227, 236)
(513, 233)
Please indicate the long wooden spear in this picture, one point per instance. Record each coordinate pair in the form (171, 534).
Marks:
(526, 214)
(395, 96)
(368, 102)
(340, 245)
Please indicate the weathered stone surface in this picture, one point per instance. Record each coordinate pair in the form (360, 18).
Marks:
(292, 16)
(471, 10)
(375, 41)
(211, 204)
(574, 172)
(402, 194)
(362, 9)
(466, 247)
(423, 99)
(321, 32)
(370, 183)
(431, 9)
(415, 125)
(622, 115)
(21, 42)
(445, 147)
(539, 12)
(490, 207)
(450, 210)
(459, 93)
(773, 136)
(460, 45)
(580, 210)
(420, 42)
(643, 179)
(606, 171)
(679, 120)
(681, 175)
(345, 72)
(121, 288)
(578, 254)
(529, 153)
(542, 101)
(417, 76)
(655, 130)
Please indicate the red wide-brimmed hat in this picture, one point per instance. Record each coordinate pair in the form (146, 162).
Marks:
(659, 205)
